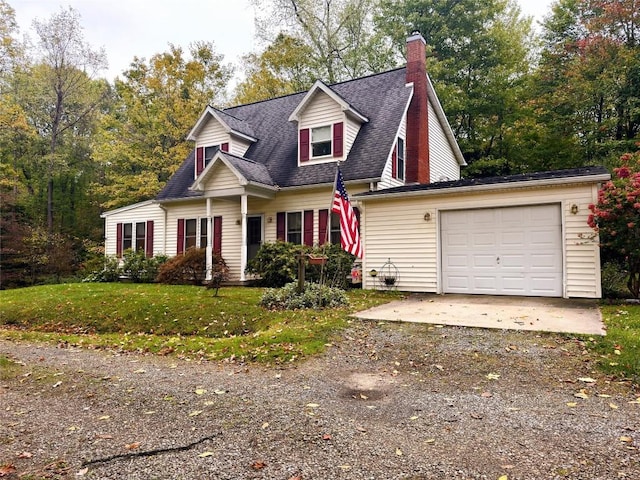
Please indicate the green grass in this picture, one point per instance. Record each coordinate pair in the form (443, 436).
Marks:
(619, 351)
(167, 319)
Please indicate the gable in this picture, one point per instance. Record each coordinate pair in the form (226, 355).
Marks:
(321, 110)
(220, 178)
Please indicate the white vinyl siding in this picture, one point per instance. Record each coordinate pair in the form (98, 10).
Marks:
(238, 146)
(221, 178)
(396, 229)
(442, 161)
(387, 180)
(212, 133)
(133, 214)
(321, 110)
(351, 130)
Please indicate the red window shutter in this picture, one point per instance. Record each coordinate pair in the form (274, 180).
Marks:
(338, 135)
(199, 160)
(304, 145)
(119, 240)
(149, 239)
(180, 248)
(281, 225)
(394, 162)
(217, 235)
(224, 147)
(308, 227)
(323, 218)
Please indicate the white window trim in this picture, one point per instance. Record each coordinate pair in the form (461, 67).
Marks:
(320, 157)
(286, 226)
(400, 176)
(134, 236)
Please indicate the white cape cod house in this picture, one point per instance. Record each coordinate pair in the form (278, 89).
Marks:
(264, 172)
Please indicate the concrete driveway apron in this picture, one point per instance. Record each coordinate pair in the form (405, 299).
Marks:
(581, 316)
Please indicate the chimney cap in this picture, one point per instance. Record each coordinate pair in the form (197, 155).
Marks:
(416, 35)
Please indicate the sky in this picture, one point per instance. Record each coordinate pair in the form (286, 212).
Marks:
(142, 28)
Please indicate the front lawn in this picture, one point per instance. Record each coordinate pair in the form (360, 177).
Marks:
(168, 319)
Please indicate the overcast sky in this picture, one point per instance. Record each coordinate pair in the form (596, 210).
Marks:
(128, 28)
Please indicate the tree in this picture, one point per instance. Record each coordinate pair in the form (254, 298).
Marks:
(478, 59)
(284, 67)
(10, 47)
(339, 34)
(616, 216)
(141, 142)
(68, 95)
(587, 86)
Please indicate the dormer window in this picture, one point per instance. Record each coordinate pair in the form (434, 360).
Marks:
(321, 141)
(209, 152)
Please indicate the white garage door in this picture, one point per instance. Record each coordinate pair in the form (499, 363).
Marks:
(503, 251)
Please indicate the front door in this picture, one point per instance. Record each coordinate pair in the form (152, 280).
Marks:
(254, 236)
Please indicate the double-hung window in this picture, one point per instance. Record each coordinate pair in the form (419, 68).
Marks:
(127, 236)
(135, 236)
(209, 152)
(190, 233)
(334, 236)
(204, 223)
(294, 227)
(321, 141)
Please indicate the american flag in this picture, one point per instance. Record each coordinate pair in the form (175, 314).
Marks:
(349, 235)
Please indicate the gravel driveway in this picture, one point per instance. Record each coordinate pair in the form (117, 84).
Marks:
(386, 401)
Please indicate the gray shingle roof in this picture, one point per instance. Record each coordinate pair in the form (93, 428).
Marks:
(235, 124)
(382, 98)
(254, 172)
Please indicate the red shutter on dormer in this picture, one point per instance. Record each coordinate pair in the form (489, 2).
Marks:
(119, 240)
(280, 226)
(394, 162)
(180, 247)
(323, 218)
(338, 134)
(224, 147)
(304, 145)
(199, 160)
(149, 239)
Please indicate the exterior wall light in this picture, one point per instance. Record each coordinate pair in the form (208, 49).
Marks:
(574, 208)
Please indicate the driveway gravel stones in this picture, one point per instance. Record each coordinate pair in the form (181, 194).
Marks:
(385, 401)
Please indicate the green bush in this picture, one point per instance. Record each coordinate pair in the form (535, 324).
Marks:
(614, 280)
(314, 296)
(276, 264)
(139, 268)
(110, 271)
(191, 269)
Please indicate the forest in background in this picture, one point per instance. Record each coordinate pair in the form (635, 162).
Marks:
(519, 99)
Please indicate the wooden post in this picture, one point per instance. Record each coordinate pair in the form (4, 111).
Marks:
(302, 259)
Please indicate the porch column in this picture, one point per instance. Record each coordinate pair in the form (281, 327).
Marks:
(209, 249)
(243, 248)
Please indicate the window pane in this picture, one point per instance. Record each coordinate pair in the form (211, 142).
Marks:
(127, 236)
(203, 232)
(335, 228)
(190, 233)
(209, 152)
(320, 141)
(294, 227)
(140, 228)
(400, 172)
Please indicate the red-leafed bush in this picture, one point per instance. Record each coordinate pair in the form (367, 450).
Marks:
(616, 217)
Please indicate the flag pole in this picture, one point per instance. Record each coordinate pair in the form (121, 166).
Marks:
(327, 230)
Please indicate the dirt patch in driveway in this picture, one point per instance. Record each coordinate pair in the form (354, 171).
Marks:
(386, 401)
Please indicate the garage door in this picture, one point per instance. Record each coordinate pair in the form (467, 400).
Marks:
(503, 251)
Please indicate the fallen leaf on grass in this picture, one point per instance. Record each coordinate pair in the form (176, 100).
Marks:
(265, 425)
(604, 395)
(637, 401)
(486, 395)
(7, 469)
(626, 439)
(572, 404)
(200, 391)
(25, 455)
(140, 370)
(493, 376)
(56, 385)
(195, 413)
(581, 394)
(430, 440)
(258, 465)
(503, 477)
(613, 406)
(104, 436)
(587, 380)
(398, 452)
(104, 417)
(82, 472)
(132, 446)
(206, 454)
(312, 405)
(219, 392)
(415, 417)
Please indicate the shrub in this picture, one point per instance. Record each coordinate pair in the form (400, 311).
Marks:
(110, 271)
(191, 269)
(314, 296)
(614, 280)
(276, 264)
(139, 268)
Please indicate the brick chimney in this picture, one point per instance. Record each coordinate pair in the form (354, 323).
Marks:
(417, 141)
